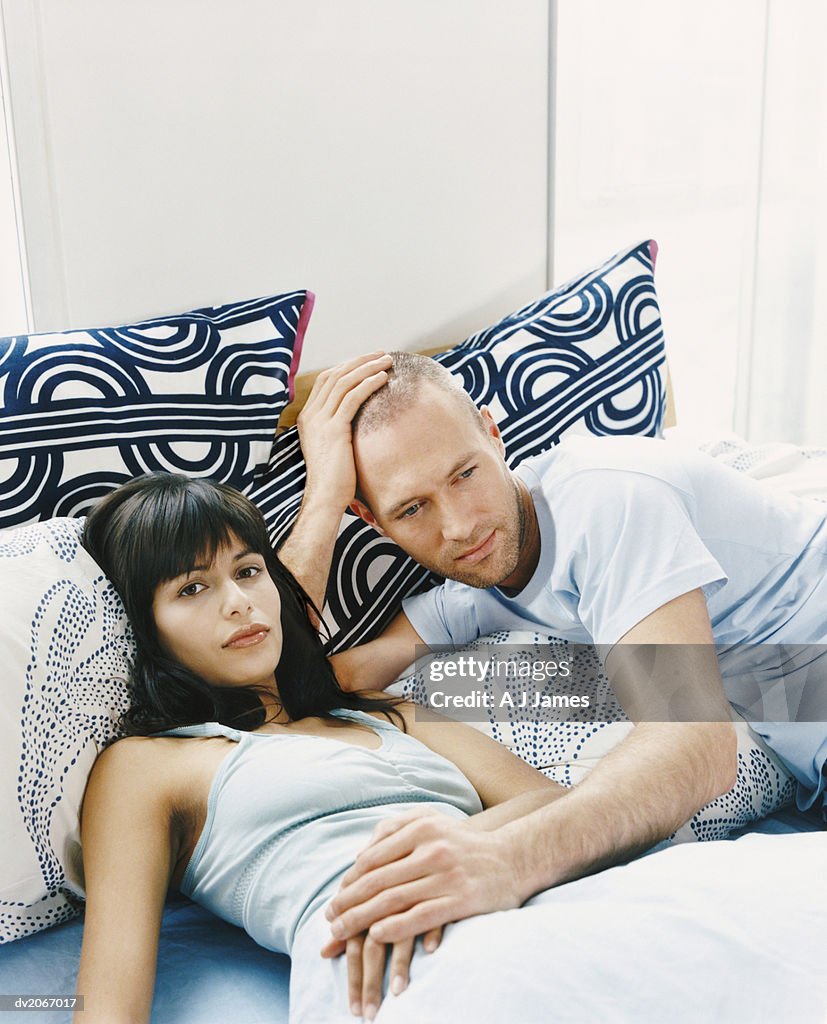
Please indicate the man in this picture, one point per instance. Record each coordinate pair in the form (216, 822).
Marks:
(614, 541)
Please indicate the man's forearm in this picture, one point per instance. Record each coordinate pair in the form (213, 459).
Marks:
(308, 550)
(638, 795)
(325, 435)
(517, 807)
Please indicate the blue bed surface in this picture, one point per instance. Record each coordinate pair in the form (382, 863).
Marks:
(209, 972)
(783, 822)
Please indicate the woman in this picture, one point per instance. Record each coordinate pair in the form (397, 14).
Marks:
(250, 780)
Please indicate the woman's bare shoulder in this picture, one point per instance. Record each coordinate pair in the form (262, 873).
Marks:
(137, 750)
(146, 762)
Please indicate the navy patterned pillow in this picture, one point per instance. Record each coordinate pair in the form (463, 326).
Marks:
(199, 393)
(588, 357)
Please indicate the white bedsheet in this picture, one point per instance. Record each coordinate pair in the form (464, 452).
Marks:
(713, 932)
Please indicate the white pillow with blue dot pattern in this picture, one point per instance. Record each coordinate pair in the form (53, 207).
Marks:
(65, 651)
(568, 748)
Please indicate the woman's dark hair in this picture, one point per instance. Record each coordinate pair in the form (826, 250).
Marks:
(157, 527)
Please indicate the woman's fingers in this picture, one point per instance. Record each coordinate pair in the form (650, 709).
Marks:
(432, 939)
(373, 976)
(400, 966)
(366, 958)
(353, 955)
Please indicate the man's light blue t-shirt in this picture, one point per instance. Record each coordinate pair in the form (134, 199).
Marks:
(628, 524)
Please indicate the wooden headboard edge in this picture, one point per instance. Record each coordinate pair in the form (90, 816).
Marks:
(304, 383)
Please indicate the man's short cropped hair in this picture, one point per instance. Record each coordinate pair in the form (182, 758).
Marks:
(408, 374)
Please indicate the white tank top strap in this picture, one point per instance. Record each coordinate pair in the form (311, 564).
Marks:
(204, 729)
(379, 723)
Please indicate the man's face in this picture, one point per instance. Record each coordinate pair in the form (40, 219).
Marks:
(436, 482)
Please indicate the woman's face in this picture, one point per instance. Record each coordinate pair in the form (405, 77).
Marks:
(223, 620)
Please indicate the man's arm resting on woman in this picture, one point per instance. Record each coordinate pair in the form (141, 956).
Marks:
(508, 788)
(639, 794)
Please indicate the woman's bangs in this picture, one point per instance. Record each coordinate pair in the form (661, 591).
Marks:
(189, 535)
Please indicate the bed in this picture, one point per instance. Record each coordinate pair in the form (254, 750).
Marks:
(210, 972)
(213, 385)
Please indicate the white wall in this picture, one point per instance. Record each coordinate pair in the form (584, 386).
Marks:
(14, 315)
(658, 134)
(391, 157)
(705, 126)
(787, 369)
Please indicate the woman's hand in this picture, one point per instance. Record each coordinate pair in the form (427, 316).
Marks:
(366, 961)
(366, 957)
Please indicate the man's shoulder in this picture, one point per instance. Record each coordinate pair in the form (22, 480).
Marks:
(608, 457)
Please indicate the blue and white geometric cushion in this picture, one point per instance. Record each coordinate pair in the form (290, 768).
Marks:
(587, 358)
(199, 393)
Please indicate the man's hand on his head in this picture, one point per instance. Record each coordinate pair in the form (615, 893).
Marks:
(325, 426)
(420, 871)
